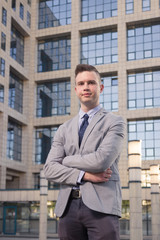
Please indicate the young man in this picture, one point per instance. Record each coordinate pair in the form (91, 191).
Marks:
(84, 160)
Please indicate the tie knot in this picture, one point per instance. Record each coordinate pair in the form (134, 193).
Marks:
(85, 117)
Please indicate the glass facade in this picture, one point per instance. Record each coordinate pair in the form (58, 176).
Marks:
(53, 13)
(149, 132)
(4, 16)
(2, 67)
(43, 141)
(17, 46)
(144, 90)
(109, 96)
(143, 42)
(3, 41)
(15, 100)
(129, 6)
(146, 5)
(54, 54)
(98, 9)
(53, 98)
(1, 93)
(14, 141)
(147, 217)
(145, 178)
(99, 48)
(124, 220)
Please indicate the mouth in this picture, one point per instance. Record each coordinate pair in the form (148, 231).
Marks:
(86, 95)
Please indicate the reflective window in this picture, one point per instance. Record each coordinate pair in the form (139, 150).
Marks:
(146, 5)
(54, 54)
(109, 96)
(15, 93)
(4, 16)
(144, 90)
(53, 98)
(29, 2)
(14, 141)
(43, 140)
(1, 93)
(125, 219)
(143, 42)
(147, 217)
(149, 132)
(129, 6)
(21, 11)
(28, 19)
(14, 5)
(98, 9)
(17, 46)
(3, 41)
(2, 67)
(99, 48)
(53, 13)
(145, 178)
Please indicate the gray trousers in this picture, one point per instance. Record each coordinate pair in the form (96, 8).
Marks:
(81, 223)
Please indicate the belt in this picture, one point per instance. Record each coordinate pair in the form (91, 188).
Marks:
(75, 194)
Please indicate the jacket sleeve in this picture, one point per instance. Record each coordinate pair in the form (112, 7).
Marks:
(54, 170)
(106, 153)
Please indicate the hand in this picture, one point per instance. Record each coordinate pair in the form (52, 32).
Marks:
(98, 177)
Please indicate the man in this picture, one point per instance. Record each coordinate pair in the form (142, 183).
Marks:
(89, 201)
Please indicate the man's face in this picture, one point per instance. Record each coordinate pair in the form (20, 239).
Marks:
(88, 89)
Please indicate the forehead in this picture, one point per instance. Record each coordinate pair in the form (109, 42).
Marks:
(86, 76)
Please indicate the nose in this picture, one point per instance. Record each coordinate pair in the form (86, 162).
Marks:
(86, 86)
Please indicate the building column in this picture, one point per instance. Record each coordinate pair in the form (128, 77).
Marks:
(135, 191)
(155, 204)
(43, 207)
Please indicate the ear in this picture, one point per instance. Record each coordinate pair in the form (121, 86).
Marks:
(101, 88)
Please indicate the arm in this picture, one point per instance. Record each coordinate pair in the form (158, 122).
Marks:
(53, 168)
(105, 155)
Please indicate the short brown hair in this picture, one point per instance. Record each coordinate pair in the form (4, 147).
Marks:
(86, 67)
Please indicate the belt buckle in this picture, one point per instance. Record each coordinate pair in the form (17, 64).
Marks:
(77, 193)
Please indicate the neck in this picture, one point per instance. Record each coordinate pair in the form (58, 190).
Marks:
(86, 108)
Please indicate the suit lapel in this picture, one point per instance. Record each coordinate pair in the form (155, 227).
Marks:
(75, 129)
(98, 116)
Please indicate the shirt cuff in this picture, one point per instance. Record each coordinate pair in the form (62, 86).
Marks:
(79, 181)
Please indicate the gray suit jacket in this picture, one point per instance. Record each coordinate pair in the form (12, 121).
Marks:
(99, 150)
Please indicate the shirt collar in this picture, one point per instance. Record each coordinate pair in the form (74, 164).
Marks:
(90, 113)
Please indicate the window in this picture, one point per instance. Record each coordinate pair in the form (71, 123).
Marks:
(109, 96)
(99, 48)
(125, 219)
(3, 41)
(14, 141)
(29, 2)
(2, 67)
(53, 13)
(144, 90)
(17, 46)
(145, 178)
(28, 19)
(143, 42)
(44, 138)
(94, 10)
(1, 93)
(149, 132)
(146, 5)
(129, 6)
(21, 11)
(53, 98)
(147, 217)
(14, 5)
(51, 185)
(15, 93)
(54, 54)
(4, 16)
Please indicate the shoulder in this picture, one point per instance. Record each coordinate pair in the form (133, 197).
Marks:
(111, 116)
